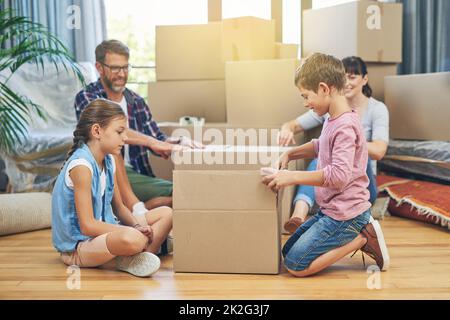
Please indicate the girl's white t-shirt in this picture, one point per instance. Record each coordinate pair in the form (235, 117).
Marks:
(83, 162)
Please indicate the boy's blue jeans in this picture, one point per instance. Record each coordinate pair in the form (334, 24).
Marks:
(319, 235)
(306, 193)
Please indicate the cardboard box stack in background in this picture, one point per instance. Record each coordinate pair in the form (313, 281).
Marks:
(419, 106)
(189, 52)
(286, 51)
(171, 100)
(190, 70)
(190, 64)
(262, 92)
(248, 38)
(225, 219)
(368, 29)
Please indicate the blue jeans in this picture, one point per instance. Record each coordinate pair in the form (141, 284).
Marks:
(306, 193)
(319, 235)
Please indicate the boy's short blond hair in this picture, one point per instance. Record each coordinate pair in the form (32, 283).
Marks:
(318, 68)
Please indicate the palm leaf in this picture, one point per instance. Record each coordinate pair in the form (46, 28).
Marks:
(15, 115)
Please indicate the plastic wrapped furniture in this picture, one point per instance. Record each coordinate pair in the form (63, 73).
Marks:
(425, 159)
(36, 161)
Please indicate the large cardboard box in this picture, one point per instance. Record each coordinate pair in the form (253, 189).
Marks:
(377, 72)
(226, 241)
(171, 100)
(189, 52)
(286, 51)
(248, 38)
(262, 92)
(419, 106)
(368, 29)
(217, 201)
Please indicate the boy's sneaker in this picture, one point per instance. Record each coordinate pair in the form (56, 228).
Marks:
(293, 224)
(143, 264)
(376, 245)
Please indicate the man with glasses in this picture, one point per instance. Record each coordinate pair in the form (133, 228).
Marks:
(139, 188)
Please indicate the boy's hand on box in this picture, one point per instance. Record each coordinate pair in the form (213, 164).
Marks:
(280, 179)
(283, 161)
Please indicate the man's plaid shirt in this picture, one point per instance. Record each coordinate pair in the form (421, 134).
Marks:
(139, 119)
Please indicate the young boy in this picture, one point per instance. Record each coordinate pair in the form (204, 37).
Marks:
(344, 223)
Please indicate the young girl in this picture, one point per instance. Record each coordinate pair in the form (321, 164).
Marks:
(344, 222)
(375, 122)
(85, 196)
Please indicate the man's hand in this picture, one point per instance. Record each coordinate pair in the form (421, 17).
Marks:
(185, 142)
(163, 149)
(188, 142)
(279, 179)
(285, 137)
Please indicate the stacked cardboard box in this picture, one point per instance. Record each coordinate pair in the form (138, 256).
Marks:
(262, 92)
(190, 64)
(171, 100)
(225, 219)
(419, 106)
(368, 29)
(286, 51)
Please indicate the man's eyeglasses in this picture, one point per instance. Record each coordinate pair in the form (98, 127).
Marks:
(116, 69)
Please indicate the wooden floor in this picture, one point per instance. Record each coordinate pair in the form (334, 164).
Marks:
(420, 269)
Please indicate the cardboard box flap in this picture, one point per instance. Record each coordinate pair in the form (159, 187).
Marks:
(216, 157)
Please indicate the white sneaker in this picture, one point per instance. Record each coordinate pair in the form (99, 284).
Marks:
(143, 264)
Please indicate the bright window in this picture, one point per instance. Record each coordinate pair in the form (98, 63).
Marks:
(133, 22)
(242, 8)
(327, 3)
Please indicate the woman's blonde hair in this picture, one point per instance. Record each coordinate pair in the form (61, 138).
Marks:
(319, 68)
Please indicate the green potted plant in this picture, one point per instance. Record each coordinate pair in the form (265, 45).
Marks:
(31, 43)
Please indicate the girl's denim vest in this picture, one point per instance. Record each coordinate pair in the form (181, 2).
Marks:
(66, 231)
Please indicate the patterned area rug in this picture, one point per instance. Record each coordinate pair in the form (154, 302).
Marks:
(419, 200)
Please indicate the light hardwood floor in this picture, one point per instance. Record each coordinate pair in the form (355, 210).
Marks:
(420, 269)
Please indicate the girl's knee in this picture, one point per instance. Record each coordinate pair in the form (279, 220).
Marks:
(167, 214)
(133, 240)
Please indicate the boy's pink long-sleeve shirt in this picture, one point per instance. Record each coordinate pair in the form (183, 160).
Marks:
(342, 155)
